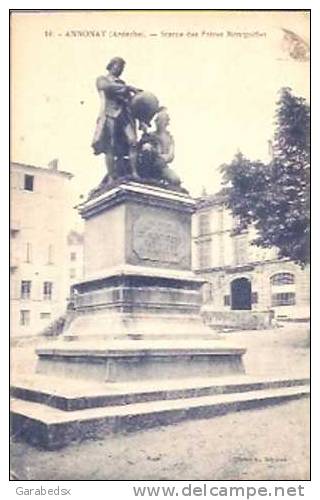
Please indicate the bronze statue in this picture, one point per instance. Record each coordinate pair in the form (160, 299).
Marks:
(115, 134)
(156, 150)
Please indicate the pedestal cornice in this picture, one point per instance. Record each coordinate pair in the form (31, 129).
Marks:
(138, 193)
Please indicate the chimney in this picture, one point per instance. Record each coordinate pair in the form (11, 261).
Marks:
(204, 192)
(53, 164)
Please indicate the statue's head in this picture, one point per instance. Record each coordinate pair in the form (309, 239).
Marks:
(162, 119)
(116, 66)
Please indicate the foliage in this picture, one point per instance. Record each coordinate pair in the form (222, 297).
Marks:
(274, 198)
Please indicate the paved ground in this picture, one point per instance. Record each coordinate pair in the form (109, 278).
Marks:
(280, 351)
(269, 443)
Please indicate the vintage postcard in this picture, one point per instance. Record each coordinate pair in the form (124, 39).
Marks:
(159, 237)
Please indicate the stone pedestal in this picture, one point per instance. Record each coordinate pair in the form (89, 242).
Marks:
(139, 225)
(137, 310)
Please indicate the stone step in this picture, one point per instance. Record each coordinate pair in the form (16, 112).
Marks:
(52, 428)
(76, 395)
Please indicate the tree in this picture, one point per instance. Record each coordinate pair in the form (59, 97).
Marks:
(275, 198)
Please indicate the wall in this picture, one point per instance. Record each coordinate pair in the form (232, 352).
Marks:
(39, 221)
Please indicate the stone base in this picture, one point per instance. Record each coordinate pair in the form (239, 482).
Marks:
(109, 326)
(135, 324)
(136, 313)
(52, 414)
(139, 360)
(137, 302)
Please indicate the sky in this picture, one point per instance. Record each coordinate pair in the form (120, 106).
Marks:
(219, 87)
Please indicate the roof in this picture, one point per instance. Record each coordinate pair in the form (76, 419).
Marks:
(47, 170)
(211, 200)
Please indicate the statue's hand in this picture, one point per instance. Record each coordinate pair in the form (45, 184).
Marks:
(147, 147)
(135, 90)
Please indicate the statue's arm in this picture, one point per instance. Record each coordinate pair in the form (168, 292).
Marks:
(115, 89)
(134, 90)
(169, 155)
(100, 84)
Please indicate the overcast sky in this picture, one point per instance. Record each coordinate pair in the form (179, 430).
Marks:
(220, 90)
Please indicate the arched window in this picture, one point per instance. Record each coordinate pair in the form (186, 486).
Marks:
(282, 279)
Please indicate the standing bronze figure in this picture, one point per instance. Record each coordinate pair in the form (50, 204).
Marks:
(115, 134)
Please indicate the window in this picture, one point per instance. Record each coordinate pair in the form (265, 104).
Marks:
(15, 227)
(25, 291)
(28, 255)
(72, 273)
(283, 299)
(254, 298)
(220, 220)
(204, 224)
(226, 300)
(73, 256)
(47, 290)
(50, 254)
(28, 182)
(282, 279)
(204, 254)
(45, 315)
(24, 317)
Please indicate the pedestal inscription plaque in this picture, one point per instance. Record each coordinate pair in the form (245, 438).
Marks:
(158, 239)
(158, 236)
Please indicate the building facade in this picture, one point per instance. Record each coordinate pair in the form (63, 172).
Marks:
(40, 204)
(242, 276)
